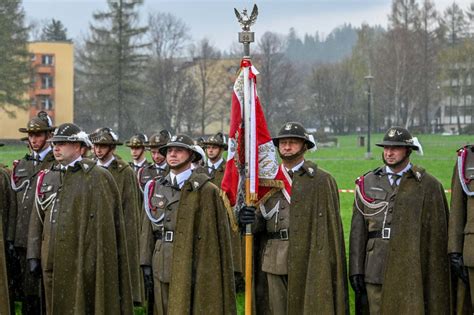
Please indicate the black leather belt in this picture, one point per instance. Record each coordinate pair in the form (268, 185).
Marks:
(280, 235)
(167, 236)
(383, 233)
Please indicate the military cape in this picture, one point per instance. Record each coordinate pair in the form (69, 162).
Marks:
(91, 272)
(317, 279)
(7, 203)
(128, 187)
(202, 280)
(417, 274)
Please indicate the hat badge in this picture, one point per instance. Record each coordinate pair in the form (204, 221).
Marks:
(173, 138)
(391, 133)
(288, 126)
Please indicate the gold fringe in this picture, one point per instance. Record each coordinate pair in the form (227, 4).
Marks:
(271, 183)
(230, 211)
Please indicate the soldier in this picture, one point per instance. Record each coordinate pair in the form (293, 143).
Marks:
(304, 257)
(104, 142)
(23, 182)
(76, 237)
(398, 236)
(7, 205)
(137, 145)
(185, 241)
(159, 167)
(461, 230)
(214, 147)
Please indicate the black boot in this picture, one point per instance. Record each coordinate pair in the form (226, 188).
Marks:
(32, 305)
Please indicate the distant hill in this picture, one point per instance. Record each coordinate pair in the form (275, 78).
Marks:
(318, 49)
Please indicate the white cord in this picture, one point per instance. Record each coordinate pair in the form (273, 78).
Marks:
(382, 204)
(147, 204)
(461, 178)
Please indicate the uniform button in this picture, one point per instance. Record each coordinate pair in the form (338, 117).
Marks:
(55, 210)
(54, 221)
(392, 198)
(27, 197)
(57, 199)
(390, 210)
(168, 219)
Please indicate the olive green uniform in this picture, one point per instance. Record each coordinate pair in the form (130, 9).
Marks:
(127, 184)
(197, 278)
(150, 172)
(398, 242)
(7, 204)
(216, 175)
(304, 257)
(275, 255)
(78, 233)
(157, 239)
(24, 179)
(461, 225)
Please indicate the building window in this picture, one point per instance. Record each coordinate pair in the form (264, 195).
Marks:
(47, 60)
(46, 81)
(46, 103)
(33, 57)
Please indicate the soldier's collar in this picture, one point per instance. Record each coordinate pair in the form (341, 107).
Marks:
(196, 181)
(85, 164)
(416, 172)
(308, 168)
(108, 163)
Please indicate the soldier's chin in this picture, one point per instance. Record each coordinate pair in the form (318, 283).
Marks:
(178, 165)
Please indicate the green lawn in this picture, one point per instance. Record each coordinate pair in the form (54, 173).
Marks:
(346, 162)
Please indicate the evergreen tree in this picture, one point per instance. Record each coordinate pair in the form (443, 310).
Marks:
(14, 64)
(111, 65)
(54, 31)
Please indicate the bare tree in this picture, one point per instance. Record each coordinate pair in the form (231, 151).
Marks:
(206, 58)
(279, 84)
(166, 72)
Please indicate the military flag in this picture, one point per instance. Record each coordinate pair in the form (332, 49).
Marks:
(263, 174)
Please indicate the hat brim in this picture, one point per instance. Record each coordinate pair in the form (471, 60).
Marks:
(276, 140)
(107, 143)
(197, 155)
(28, 130)
(130, 145)
(224, 146)
(64, 139)
(396, 144)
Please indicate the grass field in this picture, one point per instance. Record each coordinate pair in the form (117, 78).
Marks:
(346, 162)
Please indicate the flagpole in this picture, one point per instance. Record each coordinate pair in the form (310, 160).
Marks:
(246, 37)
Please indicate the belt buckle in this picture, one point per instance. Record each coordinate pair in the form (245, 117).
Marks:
(386, 233)
(169, 236)
(284, 234)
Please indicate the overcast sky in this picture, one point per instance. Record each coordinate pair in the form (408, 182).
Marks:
(215, 19)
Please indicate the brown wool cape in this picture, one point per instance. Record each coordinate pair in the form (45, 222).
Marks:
(127, 183)
(202, 280)
(417, 274)
(91, 272)
(7, 203)
(317, 279)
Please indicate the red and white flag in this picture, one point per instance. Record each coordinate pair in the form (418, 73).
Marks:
(263, 172)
